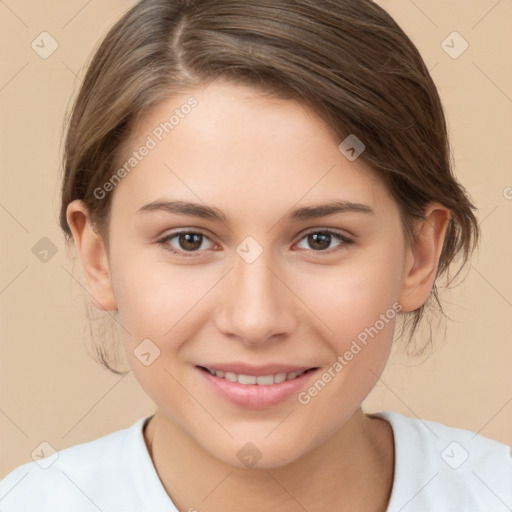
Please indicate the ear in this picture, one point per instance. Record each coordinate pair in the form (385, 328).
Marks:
(422, 257)
(93, 255)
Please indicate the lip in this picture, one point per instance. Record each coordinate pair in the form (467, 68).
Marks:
(255, 396)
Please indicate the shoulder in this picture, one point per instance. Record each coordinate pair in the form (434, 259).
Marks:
(452, 468)
(77, 478)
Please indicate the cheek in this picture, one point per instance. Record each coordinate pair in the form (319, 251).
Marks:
(156, 307)
(359, 306)
(350, 298)
(154, 296)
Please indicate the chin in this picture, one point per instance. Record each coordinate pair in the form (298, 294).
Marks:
(259, 454)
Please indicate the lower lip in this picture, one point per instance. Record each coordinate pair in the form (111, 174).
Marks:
(255, 396)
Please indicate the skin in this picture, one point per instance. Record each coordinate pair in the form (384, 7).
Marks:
(255, 158)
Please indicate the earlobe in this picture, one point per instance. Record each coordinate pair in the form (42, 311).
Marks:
(93, 256)
(422, 257)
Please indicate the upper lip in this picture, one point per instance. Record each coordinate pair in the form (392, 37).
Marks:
(246, 369)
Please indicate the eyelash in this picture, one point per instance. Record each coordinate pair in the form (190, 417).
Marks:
(164, 242)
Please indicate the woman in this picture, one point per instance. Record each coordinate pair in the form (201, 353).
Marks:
(258, 191)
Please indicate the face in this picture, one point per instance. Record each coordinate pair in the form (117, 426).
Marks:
(246, 249)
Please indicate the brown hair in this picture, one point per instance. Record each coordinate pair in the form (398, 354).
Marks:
(347, 59)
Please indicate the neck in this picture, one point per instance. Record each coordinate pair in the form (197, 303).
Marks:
(352, 470)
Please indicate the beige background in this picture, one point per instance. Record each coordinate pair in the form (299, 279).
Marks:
(52, 391)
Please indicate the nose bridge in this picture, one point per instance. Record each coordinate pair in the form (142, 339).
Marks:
(258, 305)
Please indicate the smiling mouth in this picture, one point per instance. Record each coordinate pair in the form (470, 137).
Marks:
(261, 380)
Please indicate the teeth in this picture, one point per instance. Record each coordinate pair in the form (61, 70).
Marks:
(247, 379)
(262, 380)
(265, 380)
(280, 377)
(232, 377)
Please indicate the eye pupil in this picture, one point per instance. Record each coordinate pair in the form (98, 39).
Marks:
(189, 241)
(324, 242)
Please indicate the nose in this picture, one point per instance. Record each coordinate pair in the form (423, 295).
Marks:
(256, 304)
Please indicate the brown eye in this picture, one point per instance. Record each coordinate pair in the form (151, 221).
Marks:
(190, 241)
(184, 242)
(320, 241)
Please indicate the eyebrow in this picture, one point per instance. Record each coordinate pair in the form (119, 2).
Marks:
(216, 215)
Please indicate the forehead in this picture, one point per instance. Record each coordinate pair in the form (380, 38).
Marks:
(232, 146)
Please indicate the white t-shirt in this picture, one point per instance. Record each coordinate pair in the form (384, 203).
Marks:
(437, 468)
